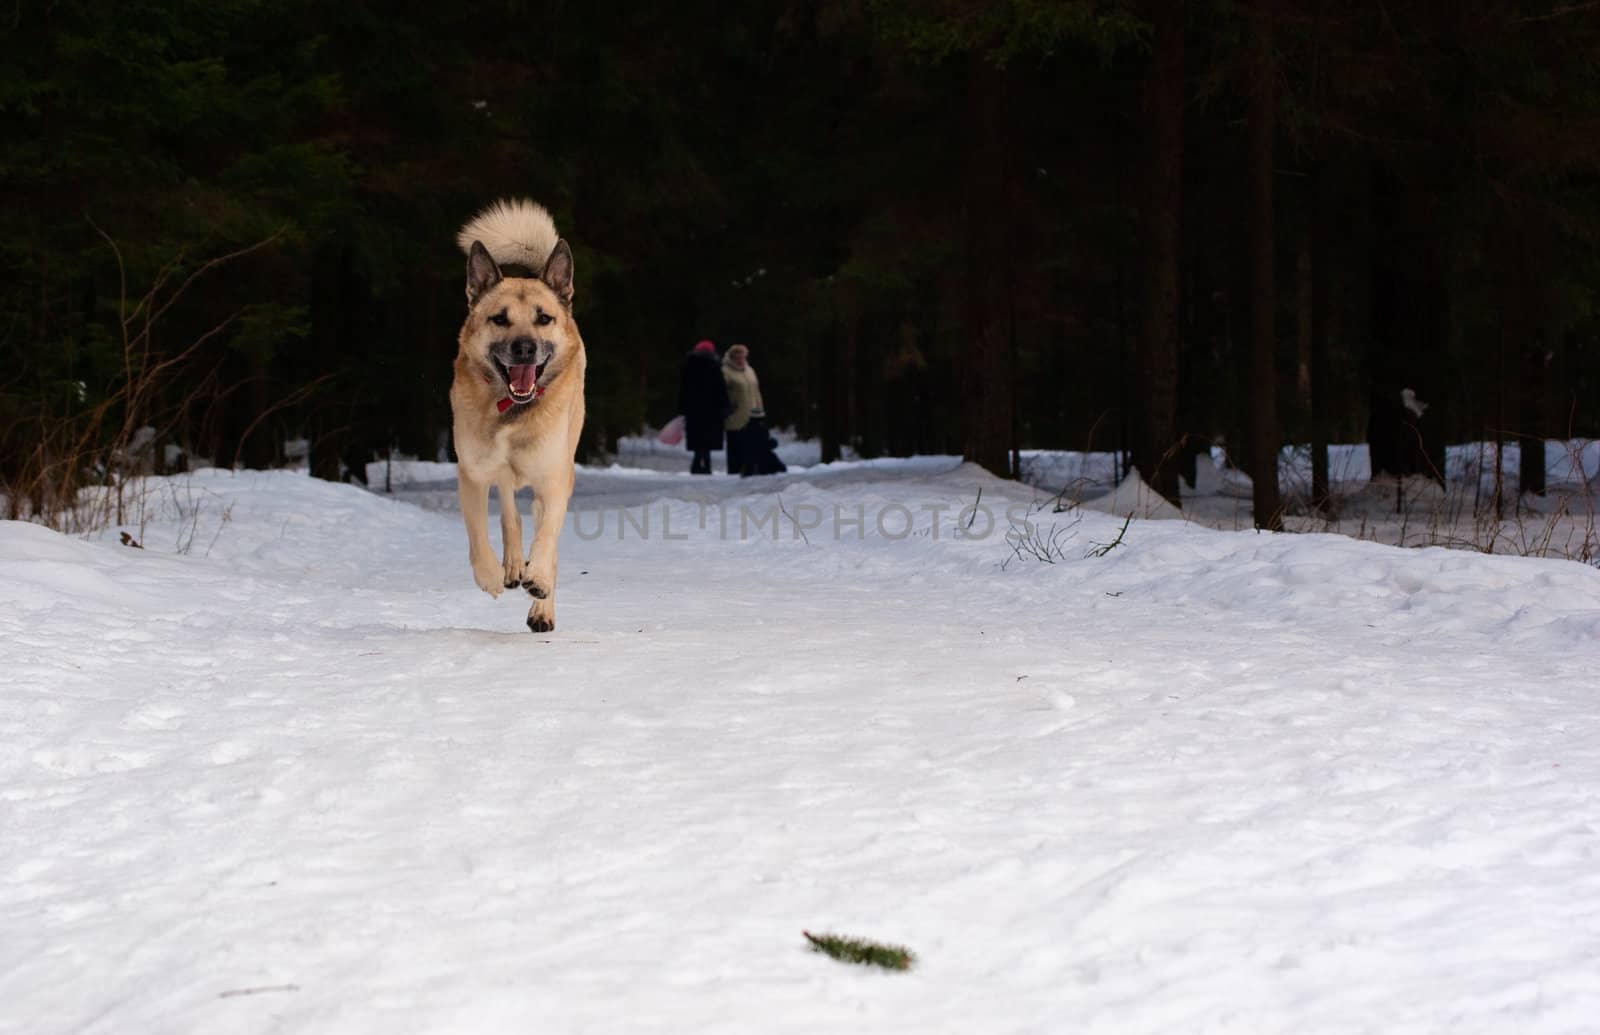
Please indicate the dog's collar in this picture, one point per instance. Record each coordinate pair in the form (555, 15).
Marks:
(505, 402)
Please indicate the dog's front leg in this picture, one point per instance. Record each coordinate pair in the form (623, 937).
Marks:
(510, 533)
(475, 512)
(539, 578)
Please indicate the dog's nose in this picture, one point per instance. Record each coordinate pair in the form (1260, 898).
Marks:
(523, 350)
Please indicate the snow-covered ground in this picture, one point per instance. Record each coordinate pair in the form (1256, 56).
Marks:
(1471, 511)
(285, 769)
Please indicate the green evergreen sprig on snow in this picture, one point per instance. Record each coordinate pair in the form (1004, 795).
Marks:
(861, 950)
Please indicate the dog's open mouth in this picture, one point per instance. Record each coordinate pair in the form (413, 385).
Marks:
(523, 380)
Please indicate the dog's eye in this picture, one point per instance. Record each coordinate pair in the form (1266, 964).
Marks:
(500, 319)
(544, 319)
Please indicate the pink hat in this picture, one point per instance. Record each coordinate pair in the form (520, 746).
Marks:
(705, 346)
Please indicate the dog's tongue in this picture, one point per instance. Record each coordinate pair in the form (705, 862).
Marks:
(523, 378)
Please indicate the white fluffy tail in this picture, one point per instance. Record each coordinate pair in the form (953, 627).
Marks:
(515, 231)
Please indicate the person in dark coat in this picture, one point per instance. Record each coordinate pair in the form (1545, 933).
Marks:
(703, 401)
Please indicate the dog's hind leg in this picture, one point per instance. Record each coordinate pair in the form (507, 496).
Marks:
(475, 512)
(510, 533)
(539, 578)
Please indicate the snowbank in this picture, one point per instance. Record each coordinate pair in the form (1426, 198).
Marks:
(286, 769)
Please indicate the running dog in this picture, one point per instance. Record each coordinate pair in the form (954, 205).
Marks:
(517, 397)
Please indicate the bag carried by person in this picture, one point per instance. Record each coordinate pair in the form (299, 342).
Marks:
(762, 446)
(672, 433)
(769, 462)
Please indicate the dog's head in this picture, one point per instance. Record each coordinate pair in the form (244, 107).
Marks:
(519, 330)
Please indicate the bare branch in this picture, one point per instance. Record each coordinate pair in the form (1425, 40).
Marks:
(299, 394)
(800, 531)
(212, 264)
(1560, 12)
(122, 271)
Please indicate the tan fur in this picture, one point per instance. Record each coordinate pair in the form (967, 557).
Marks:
(532, 444)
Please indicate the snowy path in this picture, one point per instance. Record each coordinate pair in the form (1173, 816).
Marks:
(314, 781)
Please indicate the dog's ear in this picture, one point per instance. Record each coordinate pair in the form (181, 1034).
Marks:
(558, 272)
(482, 273)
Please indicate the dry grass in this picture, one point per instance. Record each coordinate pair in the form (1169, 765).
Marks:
(72, 468)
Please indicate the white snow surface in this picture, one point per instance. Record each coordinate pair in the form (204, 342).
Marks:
(1471, 509)
(286, 769)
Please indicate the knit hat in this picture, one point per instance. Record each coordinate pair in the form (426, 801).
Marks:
(706, 347)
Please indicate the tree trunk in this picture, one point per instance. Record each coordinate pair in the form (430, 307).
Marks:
(329, 318)
(1119, 456)
(847, 370)
(1499, 430)
(828, 397)
(260, 449)
(1155, 444)
(1321, 376)
(1531, 472)
(985, 378)
(1530, 374)
(1263, 289)
(1302, 330)
(326, 451)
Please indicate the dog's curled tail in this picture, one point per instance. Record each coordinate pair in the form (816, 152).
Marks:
(515, 231)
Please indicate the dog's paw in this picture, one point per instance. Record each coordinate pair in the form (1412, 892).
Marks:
(542, 616)
(513, 573)
(488, 576)
(541, 625)
(539, 581)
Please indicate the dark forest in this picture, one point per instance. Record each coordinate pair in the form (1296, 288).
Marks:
(950, 226)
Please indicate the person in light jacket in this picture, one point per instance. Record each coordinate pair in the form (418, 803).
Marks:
(747, 421)
(703, 401)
